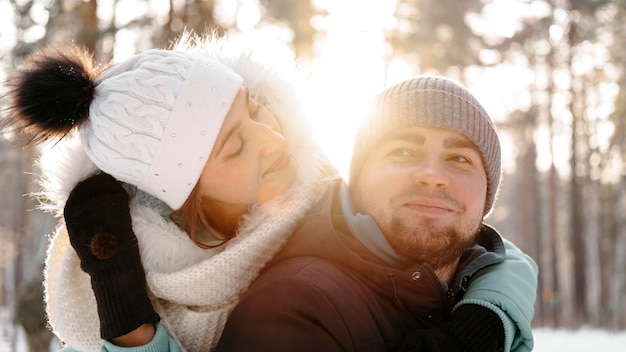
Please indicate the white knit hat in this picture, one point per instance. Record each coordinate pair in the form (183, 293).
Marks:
(154, 120)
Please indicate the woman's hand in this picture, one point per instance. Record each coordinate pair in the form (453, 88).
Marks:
(97, 217)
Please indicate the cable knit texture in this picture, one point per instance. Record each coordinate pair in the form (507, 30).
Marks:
(192, 289)
(155, 118)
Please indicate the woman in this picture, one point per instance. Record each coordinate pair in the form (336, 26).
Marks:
(193, 279)
(176, 126)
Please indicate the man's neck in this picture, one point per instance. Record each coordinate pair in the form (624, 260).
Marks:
(446, 272)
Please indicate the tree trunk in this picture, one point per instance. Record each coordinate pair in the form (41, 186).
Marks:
(617, 294)
(593, 273)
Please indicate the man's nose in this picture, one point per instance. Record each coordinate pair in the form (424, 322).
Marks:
(430, 173)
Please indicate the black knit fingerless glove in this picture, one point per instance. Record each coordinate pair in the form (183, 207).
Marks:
(471, 328)
(97, 217)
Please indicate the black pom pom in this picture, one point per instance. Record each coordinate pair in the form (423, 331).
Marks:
(51, 92)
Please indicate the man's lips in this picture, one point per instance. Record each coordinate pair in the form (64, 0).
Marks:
(429, 206)
(282, 161)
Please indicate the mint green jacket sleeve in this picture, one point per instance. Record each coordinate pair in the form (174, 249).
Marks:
(162, 342)
(510, 290)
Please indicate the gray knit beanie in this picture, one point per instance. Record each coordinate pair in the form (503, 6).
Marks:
(431, 101)
(154, 120)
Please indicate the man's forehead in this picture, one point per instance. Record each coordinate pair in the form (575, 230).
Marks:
(420, 134)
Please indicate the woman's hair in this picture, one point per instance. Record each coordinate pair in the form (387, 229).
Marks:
(193, 218)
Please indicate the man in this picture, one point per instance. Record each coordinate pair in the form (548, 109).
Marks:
(426, 170)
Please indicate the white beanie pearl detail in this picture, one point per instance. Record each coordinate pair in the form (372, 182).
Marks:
(155, 118)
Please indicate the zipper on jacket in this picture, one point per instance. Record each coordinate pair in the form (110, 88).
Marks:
(461, 289)
(442, 285)
(444, 289)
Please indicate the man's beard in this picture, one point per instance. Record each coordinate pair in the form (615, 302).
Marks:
(426, 243)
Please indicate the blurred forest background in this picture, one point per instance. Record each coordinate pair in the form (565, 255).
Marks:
(551, 72)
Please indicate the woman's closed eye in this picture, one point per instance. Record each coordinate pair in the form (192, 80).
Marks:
(257, 114)
(239, 148)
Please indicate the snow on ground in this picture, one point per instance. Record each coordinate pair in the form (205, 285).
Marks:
(581, 340)
(546, 340)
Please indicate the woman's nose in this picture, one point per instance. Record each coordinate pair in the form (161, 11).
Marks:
(268, 139)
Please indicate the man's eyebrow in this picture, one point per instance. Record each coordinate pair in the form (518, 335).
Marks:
(403, 136)
(457, 142)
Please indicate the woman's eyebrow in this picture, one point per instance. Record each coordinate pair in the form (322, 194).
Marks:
(219, 144)
(223, 141)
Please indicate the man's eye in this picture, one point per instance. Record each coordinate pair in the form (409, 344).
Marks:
(401, 152)
(460, 159)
